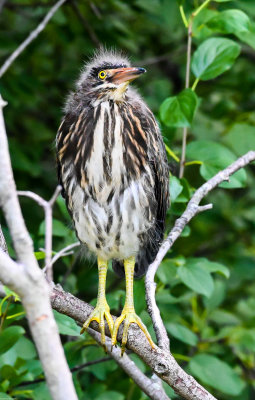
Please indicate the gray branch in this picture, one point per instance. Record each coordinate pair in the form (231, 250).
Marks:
(27, 280)
(33, 35)
(48, 207)
(193, 208)
(149, 386)
(161, 362)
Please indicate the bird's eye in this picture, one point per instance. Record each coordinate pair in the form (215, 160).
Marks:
(102, 75)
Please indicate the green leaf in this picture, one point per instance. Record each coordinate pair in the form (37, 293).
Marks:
(182, 333)
(167, 271)
(241, 138)
(110, 395)
(194, 275)
(213, 57)
(223, 317)
(9, 336)
(25, 349)
(66, 325)
(39, 255)
(4, 396)
(216, 373)
(101, 370)
(230, 21)
(41, 392)
(175, 188)
(214, 266)
(178, 111)
(248, 36)
(217, 296)
(215, 157)
(58, 229)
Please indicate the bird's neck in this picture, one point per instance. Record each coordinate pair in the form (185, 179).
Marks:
(117, 95)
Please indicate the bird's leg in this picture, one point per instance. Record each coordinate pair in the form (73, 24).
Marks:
(102, 310)
(128, 314)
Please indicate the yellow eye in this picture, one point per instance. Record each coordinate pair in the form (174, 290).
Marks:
(102, 75)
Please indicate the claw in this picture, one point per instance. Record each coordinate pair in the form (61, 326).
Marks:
(99, 314)
(128, 317)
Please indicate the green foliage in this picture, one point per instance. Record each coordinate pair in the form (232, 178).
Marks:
(213, 57)
(205, 286)
(230, 21)
(215, 157)
(217, 374)
(178, 111)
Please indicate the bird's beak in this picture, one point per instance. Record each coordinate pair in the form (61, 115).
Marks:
(121, 75)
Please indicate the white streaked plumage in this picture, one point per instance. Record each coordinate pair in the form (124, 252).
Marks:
(131, 203)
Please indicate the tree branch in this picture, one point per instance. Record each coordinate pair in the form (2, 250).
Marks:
(65, 251)
(148, 386)
(27, 280)
(47, 206)
(193, 208)
(33, 35)
(161, 362)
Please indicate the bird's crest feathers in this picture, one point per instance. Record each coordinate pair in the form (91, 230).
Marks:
(102, 58)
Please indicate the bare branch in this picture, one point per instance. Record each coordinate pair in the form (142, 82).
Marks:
(34, 196)
(33, 35)
(27, 280)
(193, 208)
(148, 386)
(64, 251)
(160, 361)
(47, 206)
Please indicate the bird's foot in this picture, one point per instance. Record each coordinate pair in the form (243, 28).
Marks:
(129, 316)
(99, 314)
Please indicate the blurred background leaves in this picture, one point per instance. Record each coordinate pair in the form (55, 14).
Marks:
(206, 285)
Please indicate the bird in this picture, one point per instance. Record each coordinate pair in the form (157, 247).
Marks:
(113, 169)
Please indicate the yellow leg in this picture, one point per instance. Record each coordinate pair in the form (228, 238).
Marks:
(102, 310)
(128, 314)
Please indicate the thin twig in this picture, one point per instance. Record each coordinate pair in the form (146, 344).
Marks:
(187, 79)
(86, 24)
(63, 252)
(33, 35)
(47, 206)
(192, 209)
(74, 369)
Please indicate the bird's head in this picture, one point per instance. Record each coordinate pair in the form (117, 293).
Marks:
(107, 77)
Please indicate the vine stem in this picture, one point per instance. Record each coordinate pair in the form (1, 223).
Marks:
(188, 24)
(187, 79)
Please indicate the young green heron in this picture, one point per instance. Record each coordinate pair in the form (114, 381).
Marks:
(113, 169)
